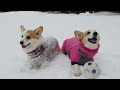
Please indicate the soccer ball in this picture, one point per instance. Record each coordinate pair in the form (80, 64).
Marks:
(91, 70)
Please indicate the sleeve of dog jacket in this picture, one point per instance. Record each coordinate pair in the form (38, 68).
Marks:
(75, 54)
(63, 47)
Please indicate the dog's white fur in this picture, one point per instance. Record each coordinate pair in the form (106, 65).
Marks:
(76, 68)
(91, 45)
(37, 40)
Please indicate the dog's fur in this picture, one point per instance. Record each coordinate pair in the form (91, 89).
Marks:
(31, 40)
(90, 39)
(83, 37)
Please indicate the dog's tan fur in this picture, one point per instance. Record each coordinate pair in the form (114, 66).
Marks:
(33, 33)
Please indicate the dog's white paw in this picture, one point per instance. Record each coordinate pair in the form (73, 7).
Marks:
(25, 69)
(44, 64)
(76, 70)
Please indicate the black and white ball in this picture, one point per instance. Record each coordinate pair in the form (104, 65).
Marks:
(91, 70)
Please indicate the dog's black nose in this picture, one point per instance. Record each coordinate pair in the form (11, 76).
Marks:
(95, 33)
(21, 42)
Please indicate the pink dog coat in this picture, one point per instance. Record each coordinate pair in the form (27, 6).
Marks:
(77, 52)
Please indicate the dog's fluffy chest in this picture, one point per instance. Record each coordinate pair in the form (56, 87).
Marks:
(46, 52)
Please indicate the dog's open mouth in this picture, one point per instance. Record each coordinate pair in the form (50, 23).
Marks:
(24, 46)
(92, 40)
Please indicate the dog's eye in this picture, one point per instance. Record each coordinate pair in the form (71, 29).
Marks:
(28, 37)
(88, 32)
(22, 36)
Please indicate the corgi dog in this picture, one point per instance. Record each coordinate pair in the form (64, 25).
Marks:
(81, 48)
(40, 50)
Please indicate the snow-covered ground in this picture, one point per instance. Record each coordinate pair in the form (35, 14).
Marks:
(60, 26)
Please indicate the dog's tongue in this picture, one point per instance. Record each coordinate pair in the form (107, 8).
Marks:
(93, 40)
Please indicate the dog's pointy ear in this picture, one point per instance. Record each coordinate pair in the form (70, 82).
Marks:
(22, 28)
(39, 30)
(78, 34)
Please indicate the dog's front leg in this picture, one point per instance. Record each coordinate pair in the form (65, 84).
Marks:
(44, 64)
(28, 66)
(76, 70)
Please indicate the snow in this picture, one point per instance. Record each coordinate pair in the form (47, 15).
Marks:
(61, 26)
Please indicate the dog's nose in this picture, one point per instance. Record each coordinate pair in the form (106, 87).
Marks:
(95, 33)
(21, 42)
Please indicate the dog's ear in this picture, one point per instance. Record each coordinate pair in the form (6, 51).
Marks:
(78, 34)
(39, 30)
(22, 28)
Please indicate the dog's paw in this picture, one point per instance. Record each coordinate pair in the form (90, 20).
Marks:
(76, 70)
(77, 73)
(25, 69)
(44, 64)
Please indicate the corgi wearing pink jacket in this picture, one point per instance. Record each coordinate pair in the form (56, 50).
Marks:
(81, 48)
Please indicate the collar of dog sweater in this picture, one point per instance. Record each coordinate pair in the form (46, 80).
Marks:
(88, 48)
(35, 53)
